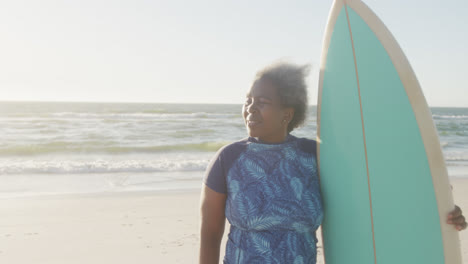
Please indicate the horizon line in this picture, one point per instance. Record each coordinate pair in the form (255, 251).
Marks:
(142, 102)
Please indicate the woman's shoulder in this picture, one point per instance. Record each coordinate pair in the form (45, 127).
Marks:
(234, 145)
(305, 140)
(306, 145)
(232, 150)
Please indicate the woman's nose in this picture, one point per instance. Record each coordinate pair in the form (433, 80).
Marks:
(251, 108)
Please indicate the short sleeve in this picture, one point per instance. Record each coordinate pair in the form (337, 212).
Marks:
(215, 174)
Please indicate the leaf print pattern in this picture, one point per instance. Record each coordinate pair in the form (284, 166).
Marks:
(234, 188)
(263, 223)
(254, 170)
(273, 205)
(297, 186)
(261, 244)
(299, 260)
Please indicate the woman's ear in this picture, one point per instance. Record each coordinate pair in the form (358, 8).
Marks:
(288, 114)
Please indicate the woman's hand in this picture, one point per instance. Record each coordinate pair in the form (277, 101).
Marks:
(457, 219)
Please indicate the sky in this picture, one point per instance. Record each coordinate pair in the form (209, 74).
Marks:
(204, 51)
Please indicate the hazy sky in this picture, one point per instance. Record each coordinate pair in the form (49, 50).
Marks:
(204, 51)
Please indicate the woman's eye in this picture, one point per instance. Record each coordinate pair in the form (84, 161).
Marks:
(250, 101)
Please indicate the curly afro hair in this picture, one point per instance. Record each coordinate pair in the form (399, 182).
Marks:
(289, 81)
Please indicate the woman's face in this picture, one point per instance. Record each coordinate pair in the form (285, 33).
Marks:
(264, 116)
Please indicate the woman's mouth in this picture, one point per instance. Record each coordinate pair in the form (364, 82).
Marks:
(252, 123)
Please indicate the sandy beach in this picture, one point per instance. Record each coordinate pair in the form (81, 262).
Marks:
(130, 227)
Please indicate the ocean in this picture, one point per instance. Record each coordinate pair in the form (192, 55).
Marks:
(62, 147)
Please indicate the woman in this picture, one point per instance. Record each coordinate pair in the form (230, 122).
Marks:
(274, 203)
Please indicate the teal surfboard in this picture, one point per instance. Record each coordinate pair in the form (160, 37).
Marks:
(383, 178)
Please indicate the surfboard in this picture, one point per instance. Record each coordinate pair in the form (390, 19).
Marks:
(384, 183)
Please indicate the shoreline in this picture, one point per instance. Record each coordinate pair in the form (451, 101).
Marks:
(103, 194)
(189, 186)
(39, 185)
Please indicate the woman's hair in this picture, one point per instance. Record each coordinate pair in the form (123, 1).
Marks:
(289, 81)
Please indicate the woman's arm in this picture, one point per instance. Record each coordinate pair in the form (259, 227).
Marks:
(212, 206)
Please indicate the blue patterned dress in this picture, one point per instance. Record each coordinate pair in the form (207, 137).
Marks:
(273, 200)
